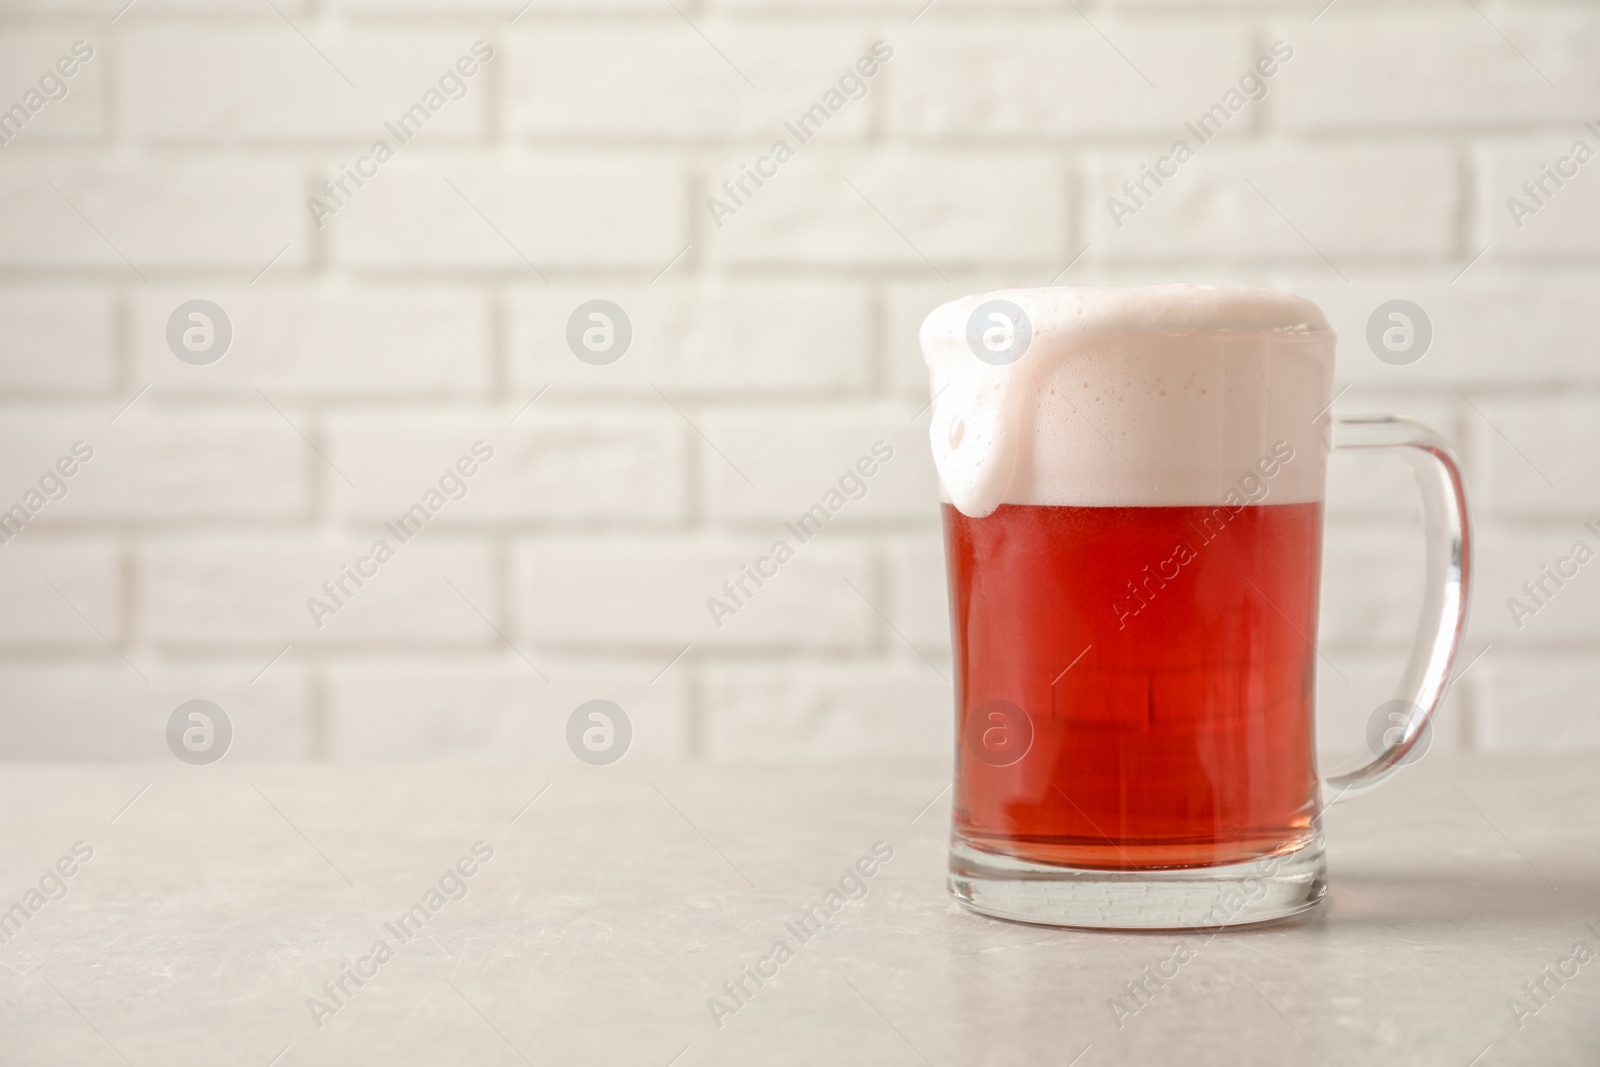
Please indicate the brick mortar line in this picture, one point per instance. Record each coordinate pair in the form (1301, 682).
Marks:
(531, 151)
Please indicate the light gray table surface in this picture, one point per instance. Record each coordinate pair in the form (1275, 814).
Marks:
(617, 903)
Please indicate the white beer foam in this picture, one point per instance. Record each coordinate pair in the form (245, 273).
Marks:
(1161, 396)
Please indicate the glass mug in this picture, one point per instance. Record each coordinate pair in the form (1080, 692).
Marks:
(1132, 485)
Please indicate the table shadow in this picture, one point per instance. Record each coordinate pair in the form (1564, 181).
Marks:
(1461, 898)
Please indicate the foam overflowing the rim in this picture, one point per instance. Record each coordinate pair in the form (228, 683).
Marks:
(1164, 395)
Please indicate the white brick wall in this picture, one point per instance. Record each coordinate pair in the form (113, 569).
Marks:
(90, 212)
(767, 352)
(76, 326)
(1353, 204)
(710, 336)
(295, 340)
(519, 212)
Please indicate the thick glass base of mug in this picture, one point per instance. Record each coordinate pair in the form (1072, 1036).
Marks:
(1272, 887)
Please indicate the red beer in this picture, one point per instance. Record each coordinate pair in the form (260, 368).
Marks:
(1135, 684)
(1132, 483)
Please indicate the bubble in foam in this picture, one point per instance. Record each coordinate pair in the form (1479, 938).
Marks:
(1157, 396)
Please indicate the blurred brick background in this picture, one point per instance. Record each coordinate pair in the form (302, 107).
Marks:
(768, 353)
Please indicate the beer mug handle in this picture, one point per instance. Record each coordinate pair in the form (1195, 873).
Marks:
(1444, 609)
